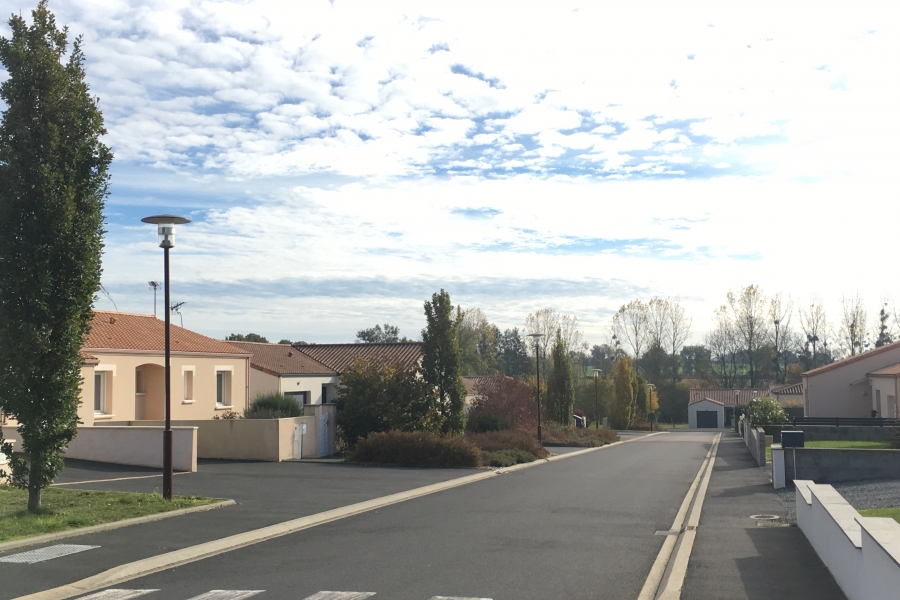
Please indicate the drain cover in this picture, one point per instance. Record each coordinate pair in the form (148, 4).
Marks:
(764, 517)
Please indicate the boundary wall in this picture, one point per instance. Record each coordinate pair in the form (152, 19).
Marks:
(755, 439)
(824, 465)
(830, 433)
(862, 553)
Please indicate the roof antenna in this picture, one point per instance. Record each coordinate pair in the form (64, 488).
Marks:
(154, 285)
(105, 293)
(176, 308)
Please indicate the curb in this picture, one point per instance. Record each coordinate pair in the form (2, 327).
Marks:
(52, 537)
(555, 457)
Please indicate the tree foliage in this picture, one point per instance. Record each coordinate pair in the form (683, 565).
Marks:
(374, 397)
(441, 360)
(388, 334)
(766, 411)
(560, 391)
(53, 182)
(250, 337)
(509, 398)
(623, 414)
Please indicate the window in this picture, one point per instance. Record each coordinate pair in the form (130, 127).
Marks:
(99, 392)
(324, 393)
(223, 388)
(189, 386)
(301, 398)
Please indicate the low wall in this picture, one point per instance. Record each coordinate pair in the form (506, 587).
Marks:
(756, 442)
(862, 553)
(824, 465)
(830, 433)
(139, 446)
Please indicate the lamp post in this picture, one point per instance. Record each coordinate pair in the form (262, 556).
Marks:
(597, 398)
(537, 364)
(777, 364)
(165, 229)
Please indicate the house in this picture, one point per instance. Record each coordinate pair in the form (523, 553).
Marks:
(789, 396)
(282, 368)
(123, 371)
(706, 413)
(855, 386)
(472, 385)
(339, 356)
(727, 397)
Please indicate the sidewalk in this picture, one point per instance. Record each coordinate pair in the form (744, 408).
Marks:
(735, 559)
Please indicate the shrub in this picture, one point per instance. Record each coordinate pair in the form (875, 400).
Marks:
(506, 458)
(572, 436)
(481, 422)
(511, 439)
(416, 449)
(273, 405)
(509, 398)
(228, 415)
(766, 411)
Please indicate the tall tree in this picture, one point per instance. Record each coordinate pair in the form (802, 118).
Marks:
(623, 415)
(389, 334)
(440, 360)
(560, 391)
(782, 334)
(748, 315)
(854, 326)
(883, 334)
(514, 353)
(724, 349)
(629, 327)
(53, 183)
(815, 328)
(677, 331)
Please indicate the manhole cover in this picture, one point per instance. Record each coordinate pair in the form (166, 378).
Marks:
(764, 517)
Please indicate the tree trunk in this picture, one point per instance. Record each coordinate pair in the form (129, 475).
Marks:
(34, 489)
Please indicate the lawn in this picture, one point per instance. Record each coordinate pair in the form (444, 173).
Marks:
(70, 509)
(891, 513)
(862, 445)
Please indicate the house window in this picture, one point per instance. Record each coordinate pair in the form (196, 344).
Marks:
(324, 393)
(223, 388)
(189, 386)
(301, 398)
(100, 392)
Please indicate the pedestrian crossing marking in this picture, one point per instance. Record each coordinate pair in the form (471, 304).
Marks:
(117, 594)
(42, 554)
(227, 594)
(340, 596)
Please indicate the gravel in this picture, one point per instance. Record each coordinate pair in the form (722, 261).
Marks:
(873, 493)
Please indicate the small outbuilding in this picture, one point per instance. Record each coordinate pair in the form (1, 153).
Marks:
(706, 414)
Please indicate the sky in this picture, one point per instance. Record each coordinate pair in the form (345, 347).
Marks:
(343, 160)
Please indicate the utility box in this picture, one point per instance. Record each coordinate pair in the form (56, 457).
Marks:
(792, 439)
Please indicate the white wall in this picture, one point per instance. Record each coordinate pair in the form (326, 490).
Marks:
(705, 405)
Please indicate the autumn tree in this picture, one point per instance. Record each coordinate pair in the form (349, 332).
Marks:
(53, 183)
(624, 410)
(560, 391)
(440, 360)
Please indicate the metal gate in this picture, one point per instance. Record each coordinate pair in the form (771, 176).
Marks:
(707, 418)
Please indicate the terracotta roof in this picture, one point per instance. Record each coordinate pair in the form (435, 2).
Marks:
(695, 401)
(339, 356)
(728, 396)
(853, 359)
(472, 382)
(88, 360)
(788, 389)
(127, 331)
(893, 370)
(282, 359)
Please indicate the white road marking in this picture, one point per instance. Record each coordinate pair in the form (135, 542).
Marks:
(227, 594)
(340, 596)
(456, 598)
(117, 594)
(42, 554)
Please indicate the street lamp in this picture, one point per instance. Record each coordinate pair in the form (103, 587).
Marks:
(165, 228)
(537, 364)
(597, 398)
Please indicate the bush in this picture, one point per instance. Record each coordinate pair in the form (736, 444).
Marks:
(511, 439)
(572, 436)
(480, 422)
(766, 411)
(506, 458)
(415, 449)
(228, 415)
(273, 405)
(510, 398)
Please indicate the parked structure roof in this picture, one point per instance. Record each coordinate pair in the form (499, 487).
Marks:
(788, 389)
(339, 356)
(128, 331)
(282, 359)
(728, 396)
(890, 371)
(696, 400)
(852, 359)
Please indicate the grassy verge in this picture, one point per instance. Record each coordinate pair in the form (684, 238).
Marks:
(70, 509)
(557, 435)
(891, 513)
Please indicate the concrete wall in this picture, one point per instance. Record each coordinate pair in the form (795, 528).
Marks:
(755, 439)
(825, 433)
(830, 393)
(262, 383)
(140, 446)
(840, 464)
(862, 553)
(705, 405)
(884, 395)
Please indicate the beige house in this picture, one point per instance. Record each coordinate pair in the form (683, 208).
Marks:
(124, 375)
(855, 386)
(789, 395)
(282, 368)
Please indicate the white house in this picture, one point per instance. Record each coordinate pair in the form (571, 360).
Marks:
(282, 368)
(706, 414)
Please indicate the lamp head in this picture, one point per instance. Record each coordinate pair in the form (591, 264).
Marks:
(165, 228)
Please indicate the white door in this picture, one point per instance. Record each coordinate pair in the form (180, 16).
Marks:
(323, 435)
(298, 441)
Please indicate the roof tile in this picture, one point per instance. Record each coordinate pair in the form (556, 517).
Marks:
(282, 359)
(339, 356)
(127, 331)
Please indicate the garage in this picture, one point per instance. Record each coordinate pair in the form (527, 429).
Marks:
(706, 414)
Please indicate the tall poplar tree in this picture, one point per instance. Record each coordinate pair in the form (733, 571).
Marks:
(53, 182)
(441, 360)
(560, 391)
(623, 415)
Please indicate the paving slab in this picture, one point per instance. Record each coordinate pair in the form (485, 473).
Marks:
(734, 558)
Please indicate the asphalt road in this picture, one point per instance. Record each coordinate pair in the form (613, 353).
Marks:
(583, 527)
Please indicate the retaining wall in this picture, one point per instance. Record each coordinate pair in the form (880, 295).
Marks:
(824, 465)
(755, 439)
(139, 446)
(862, 553)
(831, 433)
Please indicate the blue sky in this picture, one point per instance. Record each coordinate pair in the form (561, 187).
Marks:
(342, 160)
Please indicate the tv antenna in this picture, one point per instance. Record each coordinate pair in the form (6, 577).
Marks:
(154, 285)
(176, 308)
(106, 293)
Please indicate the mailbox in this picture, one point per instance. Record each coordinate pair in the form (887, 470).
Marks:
(792, 439)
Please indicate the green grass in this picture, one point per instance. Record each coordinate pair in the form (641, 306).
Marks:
(891, 513)
(69, 509)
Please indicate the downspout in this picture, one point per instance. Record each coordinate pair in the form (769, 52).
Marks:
(246, 384)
